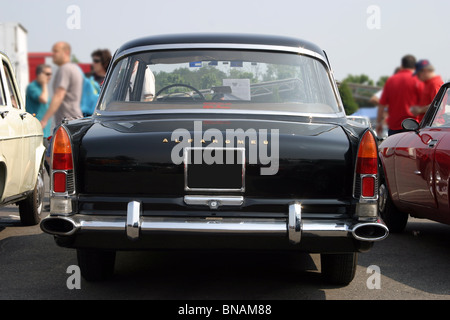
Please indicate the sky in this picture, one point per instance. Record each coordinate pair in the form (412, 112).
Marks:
(360, 36)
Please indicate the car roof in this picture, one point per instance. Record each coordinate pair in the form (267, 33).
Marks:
(222, 38)
(3, 54)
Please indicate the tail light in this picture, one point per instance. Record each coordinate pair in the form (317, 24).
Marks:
(62, 160)
(366, 177)
(62, 183)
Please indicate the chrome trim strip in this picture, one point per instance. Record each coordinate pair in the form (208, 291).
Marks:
(221, 111)
(208, 201)
(326, 228)
(230, 225)
(278, 227)
(20, 137)
(12, 138)
(133, 219)
(112, 224)
(295, 223)
(240, 46)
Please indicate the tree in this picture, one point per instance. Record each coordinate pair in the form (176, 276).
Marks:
(75, 59)
(362, 88)
(210, 80)
(361, 79)
(349, 102)
(382, 80)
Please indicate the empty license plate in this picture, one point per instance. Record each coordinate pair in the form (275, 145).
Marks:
(214, 169)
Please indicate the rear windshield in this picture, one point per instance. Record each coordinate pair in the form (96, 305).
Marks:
(227, 80)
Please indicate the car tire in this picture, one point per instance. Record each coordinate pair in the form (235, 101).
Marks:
(339, 268)
(394, 219)
(96, 265)
(31, 208)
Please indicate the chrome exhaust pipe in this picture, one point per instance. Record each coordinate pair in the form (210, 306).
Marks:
(58, 226)
(370, 231)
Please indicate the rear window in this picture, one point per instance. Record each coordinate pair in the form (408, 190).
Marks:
(226, 80)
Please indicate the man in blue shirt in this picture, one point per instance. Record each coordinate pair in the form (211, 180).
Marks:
(37, 96)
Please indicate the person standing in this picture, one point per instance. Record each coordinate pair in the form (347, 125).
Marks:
(432, 83)
(37, 96)
(375, 99)
(400, 93)
(67, 87)
(100, 63)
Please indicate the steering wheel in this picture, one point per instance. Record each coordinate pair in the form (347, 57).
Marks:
(181, 85)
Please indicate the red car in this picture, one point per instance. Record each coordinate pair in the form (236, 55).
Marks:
(416, 166)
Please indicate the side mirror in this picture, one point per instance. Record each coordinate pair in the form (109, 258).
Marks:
(410, 125)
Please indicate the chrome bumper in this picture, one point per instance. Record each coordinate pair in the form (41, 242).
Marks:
(135, 224)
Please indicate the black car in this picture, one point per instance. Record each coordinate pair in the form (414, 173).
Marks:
(216, 141)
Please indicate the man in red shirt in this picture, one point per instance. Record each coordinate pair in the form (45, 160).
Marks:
(432, 84)
(400, 93)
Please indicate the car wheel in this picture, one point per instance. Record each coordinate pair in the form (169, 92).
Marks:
(96, 265)
(31, 208)
(339, 268)
(394, 219)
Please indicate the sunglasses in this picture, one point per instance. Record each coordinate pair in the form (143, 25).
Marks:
(48, 74)
(96, 60)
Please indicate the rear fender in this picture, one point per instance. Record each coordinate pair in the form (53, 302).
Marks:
(3, 173)
(387, 155)
(39, 160)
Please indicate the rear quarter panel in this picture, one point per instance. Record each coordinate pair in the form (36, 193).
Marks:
(442, 178)
(11, 151)
(387, 159)
(33, 152)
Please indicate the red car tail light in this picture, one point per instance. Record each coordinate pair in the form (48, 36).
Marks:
(367, 167)
(62, 178)
(62, 151)
(59, 182)
(368, 187)
(62, 163)
(367, 162)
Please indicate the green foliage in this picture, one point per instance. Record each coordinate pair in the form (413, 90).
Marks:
(279, 72)
(362, 90)
(382, 81)
(74, 59)
(360, 79)
(207, 77)
(350, 105)
(203, 78)
(364, 79)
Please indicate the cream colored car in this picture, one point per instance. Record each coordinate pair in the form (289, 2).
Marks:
(21, 151)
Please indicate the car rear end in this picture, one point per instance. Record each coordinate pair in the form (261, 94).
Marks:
(265, 163)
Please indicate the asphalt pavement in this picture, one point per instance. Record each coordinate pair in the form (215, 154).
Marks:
(409, 266)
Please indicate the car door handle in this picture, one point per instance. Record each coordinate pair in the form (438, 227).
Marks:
(4, 114)
(23, 115)
(432, 143)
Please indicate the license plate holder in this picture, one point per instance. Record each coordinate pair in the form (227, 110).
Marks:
(214, 169)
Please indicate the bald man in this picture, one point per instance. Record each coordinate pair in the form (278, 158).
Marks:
(67, 87)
